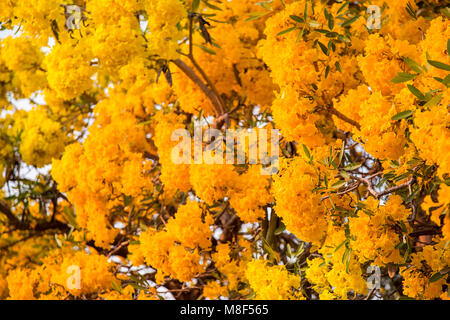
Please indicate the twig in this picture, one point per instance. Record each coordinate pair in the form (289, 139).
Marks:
(344, 117)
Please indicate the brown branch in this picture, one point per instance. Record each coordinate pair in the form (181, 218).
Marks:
(197, 66)
(4, 208)
(42, 226)
(344, 117)
(195, 78)
(368, 182)
(208, 89)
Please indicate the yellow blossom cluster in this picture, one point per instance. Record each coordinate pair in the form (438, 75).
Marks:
(91, 173)
(363, 179)
(42, 138)
(272, 282)
(179, 250)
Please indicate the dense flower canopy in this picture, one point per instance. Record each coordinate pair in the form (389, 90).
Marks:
(92, 205)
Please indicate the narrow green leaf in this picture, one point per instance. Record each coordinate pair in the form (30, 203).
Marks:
(208, 50)
(416, 92)
(437, 276)
(323, 48)
(338, 66)
(338, 184)
(342, 7)
(305, 13)
(255, 15)
(352, 166)
(286, 31)
(280, 229)
(307, 153)
(299, 36)
(332, 34)
(209, 5)
(439, 65)
(341, 245)
(327, 70)
(330, 22)
(297, 19)
(446, 12)
(434, 101)
(402, 115)
(195, 5)
(350, 21)
(413, 65)
(403, 77)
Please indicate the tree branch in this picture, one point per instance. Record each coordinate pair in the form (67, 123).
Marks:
(195, 78)
(4, 208)
(344, 117)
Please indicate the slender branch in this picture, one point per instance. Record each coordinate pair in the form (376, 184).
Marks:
(42, 226)
(344, 117)
(199, 69)
(368, 182)
(193, 76)
(4, 208)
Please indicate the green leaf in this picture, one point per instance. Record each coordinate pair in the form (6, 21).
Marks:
(330, 22)
(341, 245)
(321, 31)
(416, 92)
(297, 19)
(341, 153)
(305, 13)
(209, 5)
(446, 12)
(413, 65)
(434, 101)
(350, 21)
(323, 48)
(342, 7)
(286, 31)
(299, 36)
(273, 255)
(411, 11)
(307, 153)
(448, 47)
(402, 115)
(439, 65)
(255, 15)
(403, 77)
(332, 34)
(70, 217)
(437, 276)
(338, 184)
(338, 66)
(352, 166)
(327, 70)
(208, 50)
(195, 5)
(280, 229)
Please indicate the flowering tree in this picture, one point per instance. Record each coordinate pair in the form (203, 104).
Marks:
(93, 205)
